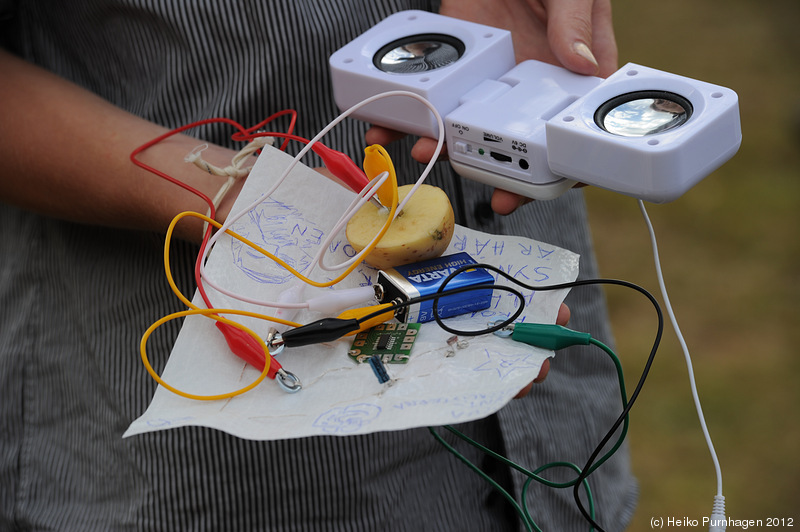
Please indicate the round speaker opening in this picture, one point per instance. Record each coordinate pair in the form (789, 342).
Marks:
(419, 53)
(643, 113)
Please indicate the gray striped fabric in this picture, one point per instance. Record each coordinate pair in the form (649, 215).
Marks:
(76, 299)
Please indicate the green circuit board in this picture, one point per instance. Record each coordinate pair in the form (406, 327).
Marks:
(391, 341)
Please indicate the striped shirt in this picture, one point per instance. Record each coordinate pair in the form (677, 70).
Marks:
(76, 300)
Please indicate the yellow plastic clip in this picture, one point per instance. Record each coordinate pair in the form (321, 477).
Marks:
(377, 161)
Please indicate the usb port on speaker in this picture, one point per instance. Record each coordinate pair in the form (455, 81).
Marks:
(500, 157)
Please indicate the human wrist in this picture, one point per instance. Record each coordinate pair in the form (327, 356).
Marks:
(192, 189)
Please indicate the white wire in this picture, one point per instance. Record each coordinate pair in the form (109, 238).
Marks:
(233, 218)
(357, 203)
(342, 223)
(346, 217)
(684, 347)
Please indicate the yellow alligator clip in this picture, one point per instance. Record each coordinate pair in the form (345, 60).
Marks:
(377, 161)
(357, 313)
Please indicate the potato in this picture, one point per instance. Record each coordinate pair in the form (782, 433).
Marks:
(421, 231)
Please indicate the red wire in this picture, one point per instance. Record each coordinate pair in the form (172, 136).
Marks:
(338, 163)
(244, 135)
(248, 134)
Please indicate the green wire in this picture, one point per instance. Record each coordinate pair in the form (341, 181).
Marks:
(560, 464)
(529, 525)
(623, 396)
(523, 511)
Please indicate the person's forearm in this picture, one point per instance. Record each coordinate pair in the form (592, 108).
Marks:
(65, 153)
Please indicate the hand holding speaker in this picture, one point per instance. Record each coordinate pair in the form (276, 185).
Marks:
(535, 129)
(575, 34)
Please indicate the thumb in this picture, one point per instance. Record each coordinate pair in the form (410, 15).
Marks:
(569, 32)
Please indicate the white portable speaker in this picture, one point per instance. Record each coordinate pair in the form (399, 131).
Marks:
(534, 128)
(437, 57)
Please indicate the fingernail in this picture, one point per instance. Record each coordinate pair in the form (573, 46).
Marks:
(582, 50)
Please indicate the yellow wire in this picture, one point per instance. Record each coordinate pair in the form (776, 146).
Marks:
(389, 191)
(376, 160)
(263, 251)
(211, 313)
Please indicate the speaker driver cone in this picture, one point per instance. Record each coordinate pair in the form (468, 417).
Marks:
(643, 113)
(419, 53)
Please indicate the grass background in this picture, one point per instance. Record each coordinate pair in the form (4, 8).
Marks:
(730, 254)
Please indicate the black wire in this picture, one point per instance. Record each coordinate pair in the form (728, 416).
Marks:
(585, 471)
(489, 329)
(441, 292)
(656, 342)
(397, 305)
